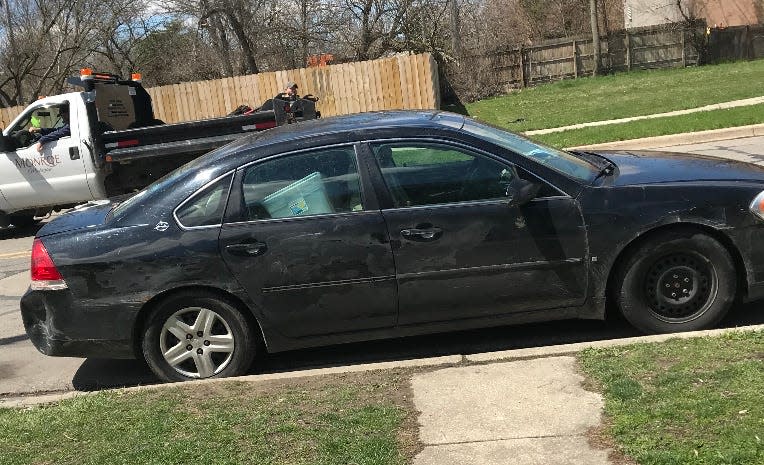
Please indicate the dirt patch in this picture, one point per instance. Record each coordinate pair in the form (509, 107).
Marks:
(599, 438)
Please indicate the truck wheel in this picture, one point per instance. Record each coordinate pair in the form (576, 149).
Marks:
(22, 221)
(677, 281)
(193, 336)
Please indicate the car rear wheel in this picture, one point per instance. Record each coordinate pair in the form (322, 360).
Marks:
(677, 281)
(192, 336)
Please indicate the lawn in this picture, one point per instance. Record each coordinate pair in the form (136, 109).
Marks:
(687, 401)
(357, 419)
(621, 95)
(717, 119)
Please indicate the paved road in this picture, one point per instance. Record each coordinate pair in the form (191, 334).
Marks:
(24, 370)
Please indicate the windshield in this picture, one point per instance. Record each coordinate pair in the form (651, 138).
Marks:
(558, 160)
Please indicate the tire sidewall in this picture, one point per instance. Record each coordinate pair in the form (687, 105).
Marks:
(244, 349)
(633, 302)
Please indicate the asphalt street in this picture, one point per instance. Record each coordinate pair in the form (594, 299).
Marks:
(24, 370)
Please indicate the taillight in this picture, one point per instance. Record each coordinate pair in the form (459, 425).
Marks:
(45, 275)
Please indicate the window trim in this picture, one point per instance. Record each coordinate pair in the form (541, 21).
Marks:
(469, 148)
(364, 199)
(197, 193)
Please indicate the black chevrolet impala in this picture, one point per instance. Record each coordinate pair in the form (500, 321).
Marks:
(390, 224)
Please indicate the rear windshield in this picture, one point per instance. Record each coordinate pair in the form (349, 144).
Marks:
(563, 162)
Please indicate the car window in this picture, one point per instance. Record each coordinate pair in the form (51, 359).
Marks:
(313, 183)
(205, 208)
(432, 173)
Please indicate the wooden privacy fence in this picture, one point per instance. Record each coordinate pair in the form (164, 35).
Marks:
(574, 57)
(400, 82)
(7, 115)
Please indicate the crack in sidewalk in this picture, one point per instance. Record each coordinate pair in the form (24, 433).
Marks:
(479, 441)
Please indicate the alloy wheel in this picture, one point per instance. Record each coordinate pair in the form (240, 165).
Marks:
(197, 342)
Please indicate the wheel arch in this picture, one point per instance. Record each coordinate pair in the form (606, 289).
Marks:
(627, 251)
(210, 291)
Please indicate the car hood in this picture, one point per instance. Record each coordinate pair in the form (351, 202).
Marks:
(89, 215)
(646, 167)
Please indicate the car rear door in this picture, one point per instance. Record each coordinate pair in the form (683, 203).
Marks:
(461, 250)
(309, 245)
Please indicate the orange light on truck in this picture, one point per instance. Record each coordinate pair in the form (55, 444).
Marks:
(136, 77)
(86, 73)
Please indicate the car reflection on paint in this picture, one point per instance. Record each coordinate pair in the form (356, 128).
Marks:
(390, 224)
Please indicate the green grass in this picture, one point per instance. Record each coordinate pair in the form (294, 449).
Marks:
(621, 95)
(717, 119)
(351, 419)
(692, 401)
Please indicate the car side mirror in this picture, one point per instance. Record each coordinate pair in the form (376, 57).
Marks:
(521, 191)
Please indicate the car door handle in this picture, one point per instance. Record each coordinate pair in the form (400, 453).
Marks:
(425, 234)
(249, 249)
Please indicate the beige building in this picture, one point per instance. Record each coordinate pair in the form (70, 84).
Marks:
(719, 13)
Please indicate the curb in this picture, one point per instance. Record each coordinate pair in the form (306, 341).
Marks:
(445, 361)
(755, 130)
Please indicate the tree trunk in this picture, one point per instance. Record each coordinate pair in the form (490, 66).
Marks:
(595, 37)
(13, 54)
(246, 47)
(456, 37)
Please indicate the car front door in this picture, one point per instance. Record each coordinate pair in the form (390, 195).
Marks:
(54, 176)
(462, 250)
(307, 248)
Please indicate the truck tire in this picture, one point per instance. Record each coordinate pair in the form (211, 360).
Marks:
(22, 221)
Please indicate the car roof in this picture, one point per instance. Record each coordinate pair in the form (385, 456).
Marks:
(344, 128)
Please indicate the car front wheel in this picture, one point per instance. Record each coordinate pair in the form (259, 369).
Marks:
(677, 281)
(192, 336)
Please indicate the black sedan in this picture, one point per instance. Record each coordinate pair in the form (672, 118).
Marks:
(389, 224)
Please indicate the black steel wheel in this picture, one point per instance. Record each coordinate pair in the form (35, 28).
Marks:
(676, 281)
(195, 336)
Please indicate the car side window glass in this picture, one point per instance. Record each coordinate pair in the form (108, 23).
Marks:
(431, 173)
(207, 207)
(318, 182)
(41, 118)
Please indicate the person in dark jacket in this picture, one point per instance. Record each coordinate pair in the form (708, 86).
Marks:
(53, 134)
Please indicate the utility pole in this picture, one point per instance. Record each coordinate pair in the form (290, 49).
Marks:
(456, 36)
(595, 36)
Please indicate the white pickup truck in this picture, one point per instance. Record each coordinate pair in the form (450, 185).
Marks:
(116, 145)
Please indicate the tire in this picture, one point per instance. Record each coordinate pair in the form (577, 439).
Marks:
(175, 325)
(22, 221)
(676, 281)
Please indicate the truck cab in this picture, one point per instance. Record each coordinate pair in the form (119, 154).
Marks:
(116, 146)
(56, 175)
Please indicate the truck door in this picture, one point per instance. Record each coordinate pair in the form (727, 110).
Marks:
(53, 176)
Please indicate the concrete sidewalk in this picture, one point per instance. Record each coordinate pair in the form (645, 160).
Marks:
(717, 106)
(531, 412)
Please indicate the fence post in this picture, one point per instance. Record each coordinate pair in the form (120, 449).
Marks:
(522, 67)
(684, 52)
(575, 59)
(628, 51)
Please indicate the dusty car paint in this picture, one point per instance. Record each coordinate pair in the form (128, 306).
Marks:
(353, 277)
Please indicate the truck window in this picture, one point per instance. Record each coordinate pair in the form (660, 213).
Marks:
(46, 117)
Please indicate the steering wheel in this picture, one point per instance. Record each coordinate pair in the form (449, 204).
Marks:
(24, 138)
